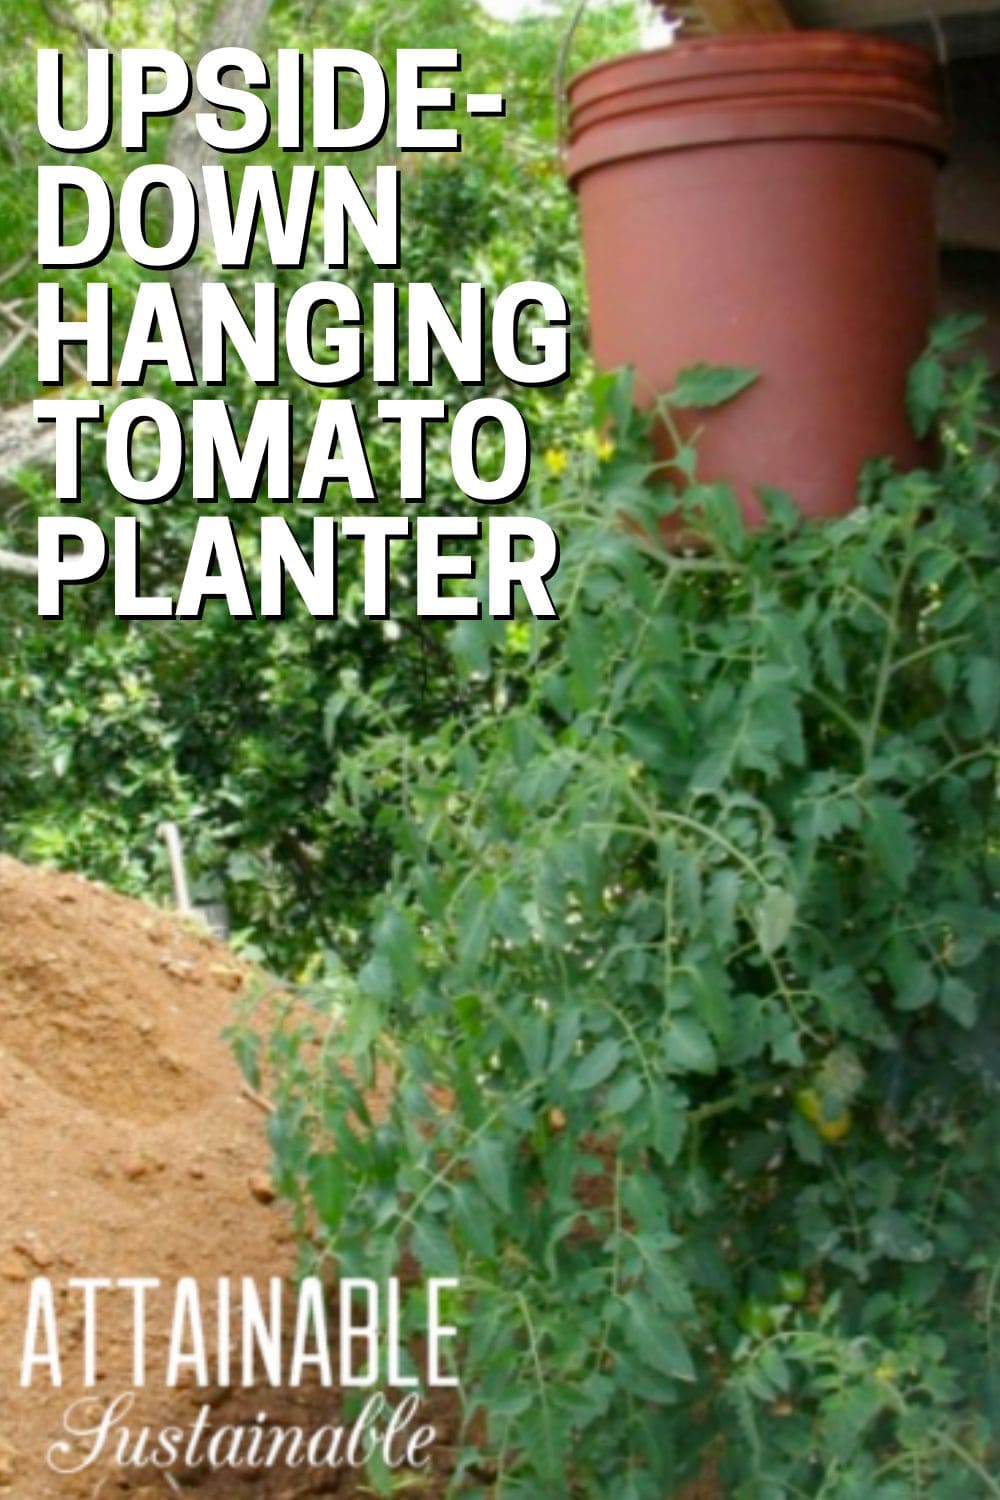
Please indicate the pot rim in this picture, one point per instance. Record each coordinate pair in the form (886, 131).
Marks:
(748, 123)
(737, 90)
(773, 86)
(760, 51)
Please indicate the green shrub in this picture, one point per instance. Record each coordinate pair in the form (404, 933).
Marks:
(682, 974)
(111, 726)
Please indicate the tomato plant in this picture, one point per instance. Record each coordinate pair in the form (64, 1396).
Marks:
(682, 975)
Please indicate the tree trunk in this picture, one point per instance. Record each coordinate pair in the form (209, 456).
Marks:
(236, 23)
(23, 442)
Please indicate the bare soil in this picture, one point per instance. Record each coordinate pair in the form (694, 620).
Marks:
(128, 1147)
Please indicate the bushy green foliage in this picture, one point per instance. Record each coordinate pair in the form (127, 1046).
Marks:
(233, 729)
(682, 976)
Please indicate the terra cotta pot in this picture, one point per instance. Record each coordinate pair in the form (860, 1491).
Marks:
(766, 201)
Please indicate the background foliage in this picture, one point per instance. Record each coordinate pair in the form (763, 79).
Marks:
(232, 728)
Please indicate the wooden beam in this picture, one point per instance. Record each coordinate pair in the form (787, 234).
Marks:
(881, 13)
(745, 15)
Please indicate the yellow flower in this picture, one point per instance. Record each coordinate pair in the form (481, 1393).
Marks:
(597, 443)
(519, 637)
(556, 460)
(310, 969)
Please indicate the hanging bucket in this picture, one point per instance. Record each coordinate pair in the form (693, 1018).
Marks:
(766, 201)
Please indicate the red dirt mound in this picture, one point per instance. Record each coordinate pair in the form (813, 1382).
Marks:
(128, 1147)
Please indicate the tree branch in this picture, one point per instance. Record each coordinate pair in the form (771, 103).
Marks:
(65, 20)
(16, 562)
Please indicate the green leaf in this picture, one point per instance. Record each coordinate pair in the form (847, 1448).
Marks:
(925, 391)
(849, 1413)
(708, 385)
(959, 1002)
(722, 511)
(688, 1048)
(246, 1047)
(983, 683)
(375, 979)
(781, 510)
(397, 943)
(364, 1022)
(626, 1090)
(724, 893)
(433, 1248)
(669, 1121)
(951, 332)
(774, 1368)
(890, 839)
(806, 1142)
(565, 1037)
(471, 644)
(598, 1065)
(474, 1219)
(775, 918)
(490, 1159)
(898, 1238)
(620, 403)
(657, 1342)
(330, 1185)
(912, 977)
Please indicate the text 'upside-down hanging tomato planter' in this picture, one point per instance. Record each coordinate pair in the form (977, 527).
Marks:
(766, 201)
